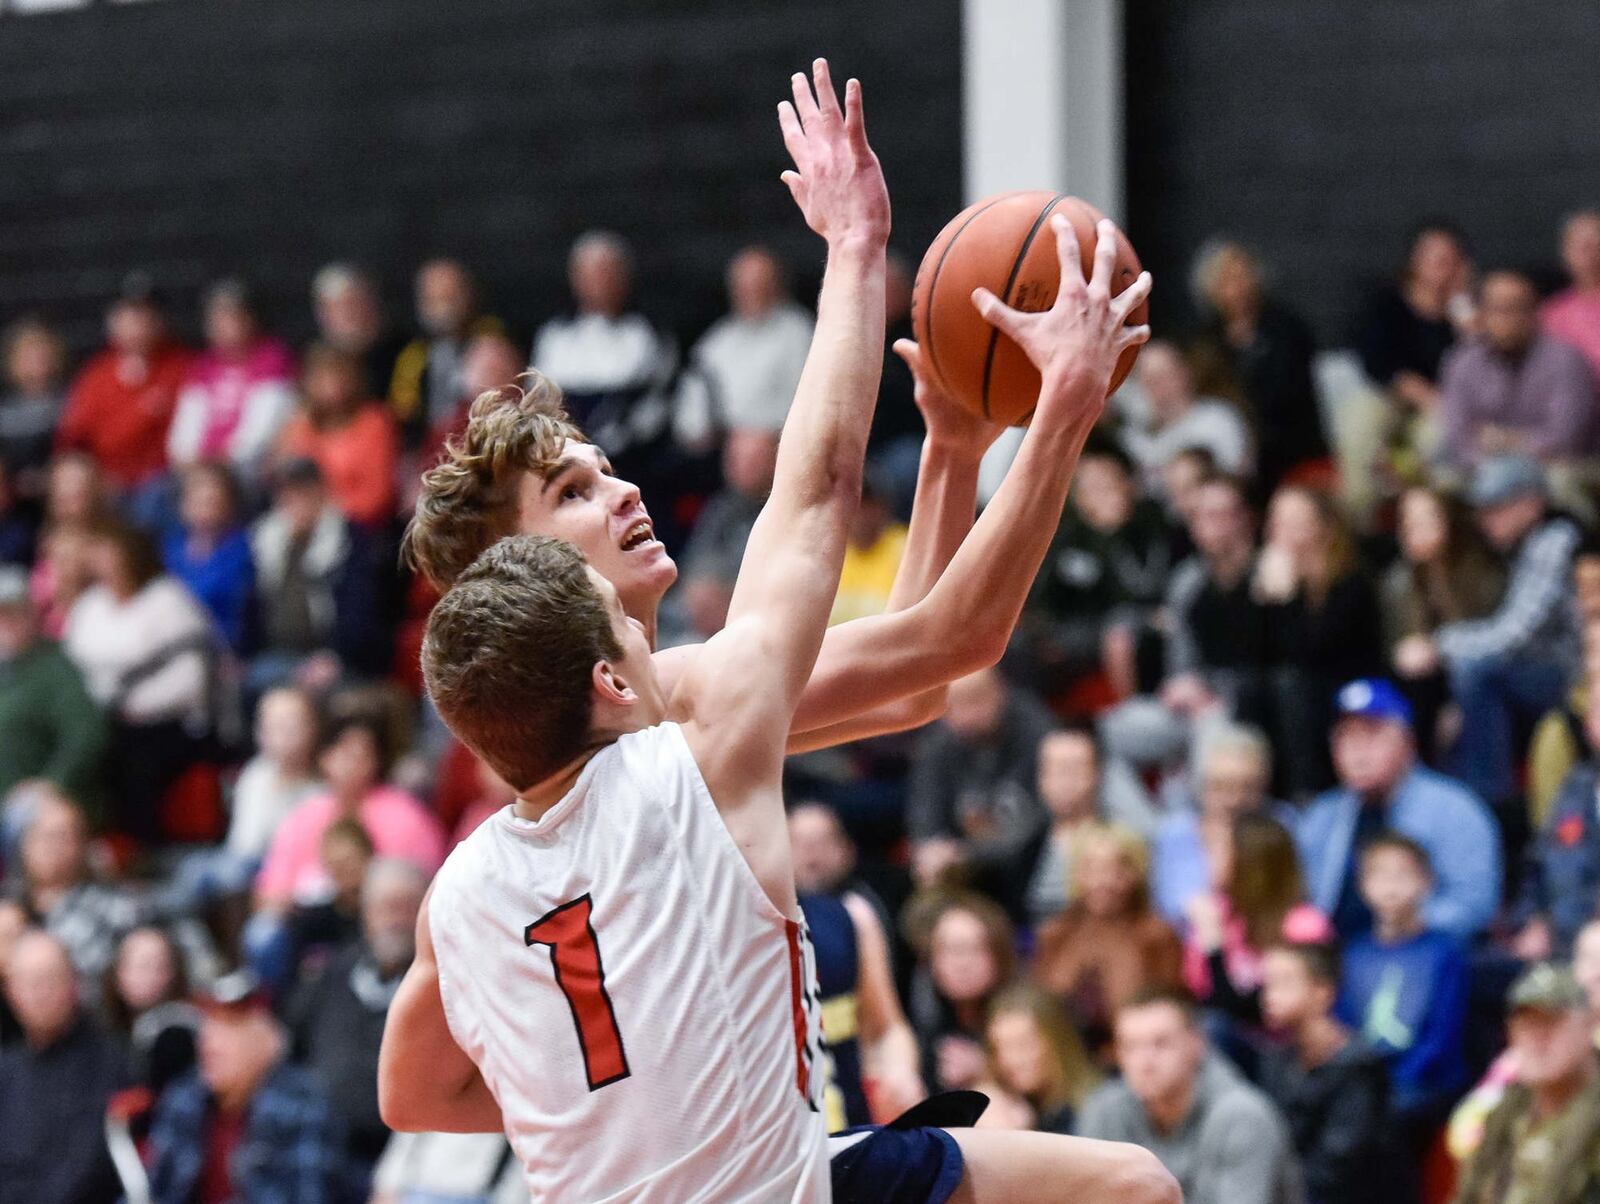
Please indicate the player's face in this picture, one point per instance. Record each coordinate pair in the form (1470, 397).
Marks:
(583, 502)
(636, 666)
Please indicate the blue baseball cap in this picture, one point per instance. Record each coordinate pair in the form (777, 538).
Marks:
(1373, 698)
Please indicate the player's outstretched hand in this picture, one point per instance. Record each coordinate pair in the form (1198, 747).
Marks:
(837, 181)
(1078, 339)
(945, 417)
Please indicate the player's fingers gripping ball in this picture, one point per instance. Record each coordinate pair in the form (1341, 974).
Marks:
(1004, 244)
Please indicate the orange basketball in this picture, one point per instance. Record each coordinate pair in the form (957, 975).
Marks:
(1006, 245)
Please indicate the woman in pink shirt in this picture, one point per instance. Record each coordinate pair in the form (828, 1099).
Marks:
(1573, 315)
(354, 761)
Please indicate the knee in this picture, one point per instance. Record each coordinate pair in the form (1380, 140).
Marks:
(1141, 1179)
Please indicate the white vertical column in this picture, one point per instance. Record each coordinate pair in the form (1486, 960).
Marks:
(1042, 98)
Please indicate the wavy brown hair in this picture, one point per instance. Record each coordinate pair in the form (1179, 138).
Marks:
(469, 499)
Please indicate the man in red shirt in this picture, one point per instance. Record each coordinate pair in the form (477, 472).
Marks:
(122, 402)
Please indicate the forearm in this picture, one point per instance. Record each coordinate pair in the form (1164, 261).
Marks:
(941, 515)
(895, 1053)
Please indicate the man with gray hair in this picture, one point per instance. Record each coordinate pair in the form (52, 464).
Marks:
(350, 317)
(336, 1020)
(607, 357)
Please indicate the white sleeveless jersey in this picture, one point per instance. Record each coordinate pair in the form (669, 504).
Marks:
(644, 1015)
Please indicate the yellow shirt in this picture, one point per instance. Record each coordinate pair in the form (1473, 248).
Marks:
(868, 576)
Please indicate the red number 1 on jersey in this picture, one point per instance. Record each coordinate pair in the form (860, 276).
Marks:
(575, 951)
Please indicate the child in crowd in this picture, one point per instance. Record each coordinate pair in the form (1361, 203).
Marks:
(1330, 1084)
(316, 930)
(1109, 945)
(209, 550)
(1405, 988)
(1041, 1072)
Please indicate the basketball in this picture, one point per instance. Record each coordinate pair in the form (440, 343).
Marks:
(1004, 244)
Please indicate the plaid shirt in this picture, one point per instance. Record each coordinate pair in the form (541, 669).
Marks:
(290, 1153)
(1537, 617)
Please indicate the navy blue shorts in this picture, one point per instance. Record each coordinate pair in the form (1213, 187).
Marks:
(895, 1166)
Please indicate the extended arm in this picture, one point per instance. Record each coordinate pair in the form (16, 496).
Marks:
(963, 623)
(892, 1059)
(426, 1084)
(741, 691)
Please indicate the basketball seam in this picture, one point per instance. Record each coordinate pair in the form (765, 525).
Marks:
(933, 285)
(1005, 296)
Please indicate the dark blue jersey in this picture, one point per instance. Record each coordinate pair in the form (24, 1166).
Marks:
(833, 935)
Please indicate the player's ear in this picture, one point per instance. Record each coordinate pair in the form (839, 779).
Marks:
(610, 686)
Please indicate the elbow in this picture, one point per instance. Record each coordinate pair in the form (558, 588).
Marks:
(1139, 1178)
(927, 707)
(397, 1106)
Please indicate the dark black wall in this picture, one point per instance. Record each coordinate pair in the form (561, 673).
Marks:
(199, 137)
(1319, 132)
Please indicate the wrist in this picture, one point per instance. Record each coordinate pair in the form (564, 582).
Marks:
(860, 249)
(949, 449)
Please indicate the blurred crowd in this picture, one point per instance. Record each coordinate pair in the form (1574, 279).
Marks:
(1272, 845)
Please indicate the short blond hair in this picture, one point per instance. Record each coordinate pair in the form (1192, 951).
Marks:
(469, 499)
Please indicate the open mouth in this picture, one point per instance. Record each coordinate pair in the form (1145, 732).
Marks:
(637, 535)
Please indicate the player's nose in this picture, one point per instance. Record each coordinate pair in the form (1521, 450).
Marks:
(627, 495)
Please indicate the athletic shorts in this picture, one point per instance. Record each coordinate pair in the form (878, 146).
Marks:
(912, 1160)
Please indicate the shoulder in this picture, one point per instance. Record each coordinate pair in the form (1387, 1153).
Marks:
(1324, 809)
(1109, 1111)
(1441, 791)
(1564, 356)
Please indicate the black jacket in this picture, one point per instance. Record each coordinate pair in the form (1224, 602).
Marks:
(1337, 1115)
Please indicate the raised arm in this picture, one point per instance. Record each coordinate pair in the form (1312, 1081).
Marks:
(962, 625)
(741, 690)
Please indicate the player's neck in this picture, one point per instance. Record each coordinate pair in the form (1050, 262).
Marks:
(536, 800)
(644, 609)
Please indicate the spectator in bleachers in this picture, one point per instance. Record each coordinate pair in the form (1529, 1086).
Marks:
(349, 316)
(752, 356)
(146, 1003)
(1259, 901)
(606, 357)
(49, 726)
(1037, 1059)
(54, 1085)
(1383, 788)
(971, 804)
(1405, 988)
(1264, 349)
(1102, 578)
(356, 759)
(1220, 1137)
(1516, 390)
(1076, 790)
(1108, 945)
(323, 923)
(1561, 886)
(239, 392)
(716, 547)
(1543, 1140)
(121, 403)
(1410, 325)
(336, 1019)
(1558, 742)
(1216, 636)
(1513, 665)
(426, 386)
(872, 555)
(1177, 418)
(32, 397)
(320, 614)
(1446, 573)
(1573, 315)
(75, 502)
(1329, 1084)
(967, 957)
(1323, 627)
(245, 1125)
(492, 362)
(1193, 847)
(209, 550)
(51, 881)
(351, 437)
(146, 649)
